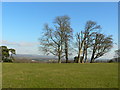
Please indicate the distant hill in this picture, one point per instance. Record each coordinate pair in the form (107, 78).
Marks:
(44, 58)
(34, 57)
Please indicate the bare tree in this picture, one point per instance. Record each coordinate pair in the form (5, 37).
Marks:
(79, 42)
(56, 41)
(90, 28)
(63, 26)
(101, 45)
(50, 42)
(84, 39)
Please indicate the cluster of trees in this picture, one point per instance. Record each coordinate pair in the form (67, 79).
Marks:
(6, 55)
(58, 40)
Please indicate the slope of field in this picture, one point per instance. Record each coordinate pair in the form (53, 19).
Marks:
(38, 75)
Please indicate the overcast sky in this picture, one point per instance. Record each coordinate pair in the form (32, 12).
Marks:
(22, 22)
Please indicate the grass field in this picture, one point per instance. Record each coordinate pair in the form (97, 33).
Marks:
(0, 75)
(38, 75)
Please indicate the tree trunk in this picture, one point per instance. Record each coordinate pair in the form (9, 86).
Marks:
(59, 54)
(94, 49)
(86, 55)
(66, 56)
(79, 55)
(92, 58)
(79, 52)
(78, 61)
(66, 51)
(59, 59)
(82, 59)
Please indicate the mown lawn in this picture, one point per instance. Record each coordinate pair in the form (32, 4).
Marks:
(39, 75)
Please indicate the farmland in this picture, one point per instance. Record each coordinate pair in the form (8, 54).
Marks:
(54, 75)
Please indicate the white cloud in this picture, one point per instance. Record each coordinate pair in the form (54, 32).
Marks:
(27, 50)
(22, 47)
(5, 42)
(21, 44)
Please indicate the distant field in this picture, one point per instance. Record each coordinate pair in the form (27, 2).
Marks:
(38, 75)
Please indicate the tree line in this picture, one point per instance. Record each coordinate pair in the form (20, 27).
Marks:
(59, 40)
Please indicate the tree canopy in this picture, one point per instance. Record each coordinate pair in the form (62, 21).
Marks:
(7, 54)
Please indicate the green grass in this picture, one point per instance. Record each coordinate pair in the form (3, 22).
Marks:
(38, 75)
(0, 75)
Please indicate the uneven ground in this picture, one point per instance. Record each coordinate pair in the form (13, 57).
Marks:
(38, 75)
